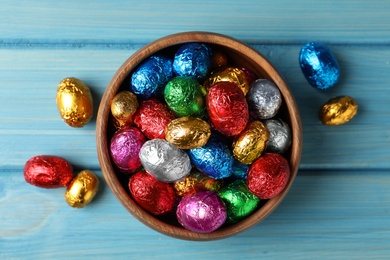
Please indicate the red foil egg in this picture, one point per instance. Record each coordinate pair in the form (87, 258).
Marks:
(47, 171)
(152, 117)
(154, 196)
(268, 175)
(227, 108)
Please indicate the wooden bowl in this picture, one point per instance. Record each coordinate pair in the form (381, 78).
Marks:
(239, 55)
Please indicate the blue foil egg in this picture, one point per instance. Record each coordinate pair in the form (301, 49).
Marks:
(319, 65)
(213, 159)
(151, 76)
(240, 170)
(193, 60)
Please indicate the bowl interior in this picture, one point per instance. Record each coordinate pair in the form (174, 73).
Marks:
(239, 55)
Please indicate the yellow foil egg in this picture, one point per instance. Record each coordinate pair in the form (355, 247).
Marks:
(229, 74)
(74, 102)
(251, 142)
(338, 110)
(82, 189)
(123, 107)
(188, 132)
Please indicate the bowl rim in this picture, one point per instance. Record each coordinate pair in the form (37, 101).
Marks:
(103, 147)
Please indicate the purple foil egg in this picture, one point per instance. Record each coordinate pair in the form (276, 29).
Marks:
(203, 212)
(124, 149)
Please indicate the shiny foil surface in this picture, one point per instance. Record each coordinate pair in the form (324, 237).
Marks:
(338, 110)
(213, 159)
(149, 78)
(264, 99)
(82, 189)
(193, 60)
(195, 182)
(74, 102)
(188, 132)
(240, 170)
(152, 118)
(250, 143)
(319, 65)
(279, 135)
(203, 212)
(268, 176)
(124, 148)
(123, 107)
(185, 97)
(48, 171)
(151, 194)
(227, 108)
(164, 160)
(239, 201)
(229, 74)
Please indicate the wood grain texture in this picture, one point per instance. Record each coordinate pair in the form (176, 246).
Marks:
(338, 205)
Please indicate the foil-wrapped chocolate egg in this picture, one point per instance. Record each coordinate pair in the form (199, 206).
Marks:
(264, 99)
(125, 146)
(338, 110)
(240, 170)
(149, 78)
(154, 196)
(268, 176)
(48, 171)
(123, 107)
(188, 132)
(203, 212)
(229, 74)
(195, 182)
(82, 189)
(164, 160)
(219, 58)
(213, 159)
(319, 65)
(185, 97)
(250, 143)
(152, 118)
(193, 60)
(227, 108)
(74, 102)
(279, 135)
(239, 201)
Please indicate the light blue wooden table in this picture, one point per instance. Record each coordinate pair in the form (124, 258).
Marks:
(339, 206)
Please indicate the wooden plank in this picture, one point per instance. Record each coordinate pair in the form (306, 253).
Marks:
(325, 215)
(30, 123)
(348, 21)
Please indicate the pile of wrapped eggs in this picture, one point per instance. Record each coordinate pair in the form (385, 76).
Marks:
(199, 138)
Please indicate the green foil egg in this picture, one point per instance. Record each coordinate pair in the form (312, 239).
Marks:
(239, 201)
(185, 97)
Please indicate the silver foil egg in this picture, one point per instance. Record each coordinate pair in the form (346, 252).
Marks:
(280, 135)
(164, 160)
(264, 99)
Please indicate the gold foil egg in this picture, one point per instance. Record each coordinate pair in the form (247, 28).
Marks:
(123, 107)
(219, 59)
(196, 181)
(251, 142)
(338, 110)
(188, 132)
(82, 189)
(229, 74)
(74, 102)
